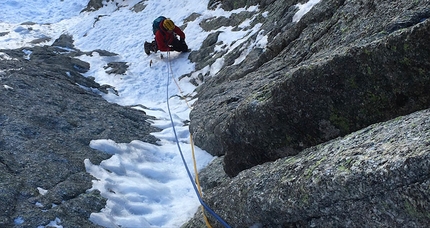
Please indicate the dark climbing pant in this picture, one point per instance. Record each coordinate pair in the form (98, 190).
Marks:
(178, 45)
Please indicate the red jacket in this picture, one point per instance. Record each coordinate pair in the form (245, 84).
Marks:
(164, 38)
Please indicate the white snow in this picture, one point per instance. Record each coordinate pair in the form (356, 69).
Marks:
(303, 9)
(145, 185)
(7, 87)
(42, 191)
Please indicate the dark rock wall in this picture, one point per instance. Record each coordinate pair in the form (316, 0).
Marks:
(300, 124)
(342, 67)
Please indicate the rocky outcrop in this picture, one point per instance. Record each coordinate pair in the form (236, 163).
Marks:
(231, 5)
(49, 113)
(94, 5)
(376, 177)
(299, 126)
(343, 66)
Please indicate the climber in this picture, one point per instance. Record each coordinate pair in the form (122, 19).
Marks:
(166, 37)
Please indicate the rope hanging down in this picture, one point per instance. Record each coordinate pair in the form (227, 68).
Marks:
(191, 143)
(205, 206)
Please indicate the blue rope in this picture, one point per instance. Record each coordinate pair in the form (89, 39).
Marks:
(207, 208)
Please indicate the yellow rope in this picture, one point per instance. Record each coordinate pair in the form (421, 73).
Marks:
(192, 145)
(197, 180)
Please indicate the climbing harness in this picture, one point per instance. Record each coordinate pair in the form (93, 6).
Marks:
(196, 189)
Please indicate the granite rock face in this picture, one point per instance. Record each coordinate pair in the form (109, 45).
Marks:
(343, 66)
(328, 126)
(375, 177)
(49, 113)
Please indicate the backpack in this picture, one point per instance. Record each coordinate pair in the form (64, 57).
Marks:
(156, 24)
